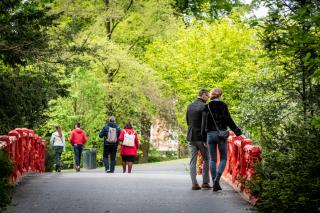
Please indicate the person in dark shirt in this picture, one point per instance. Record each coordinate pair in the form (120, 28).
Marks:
(216, 115)
(110, 134)
(197, 141)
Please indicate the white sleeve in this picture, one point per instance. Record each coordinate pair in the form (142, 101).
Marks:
(63, 139)
(52, 139)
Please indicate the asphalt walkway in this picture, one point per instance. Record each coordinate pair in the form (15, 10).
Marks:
(159, 187)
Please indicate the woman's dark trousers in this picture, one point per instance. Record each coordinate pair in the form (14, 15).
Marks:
(58, 151)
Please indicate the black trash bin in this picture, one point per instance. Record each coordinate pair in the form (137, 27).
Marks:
(89, 158)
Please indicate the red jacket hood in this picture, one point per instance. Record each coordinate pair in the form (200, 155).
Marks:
(78, 130)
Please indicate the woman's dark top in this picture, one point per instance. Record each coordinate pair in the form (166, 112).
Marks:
(222, 117)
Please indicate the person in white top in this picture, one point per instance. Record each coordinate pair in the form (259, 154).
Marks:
(58, 140)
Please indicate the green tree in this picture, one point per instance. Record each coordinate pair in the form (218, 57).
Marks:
(206, 55)
(147, 21)
(27, 83)
(206, 9)
(23, 30)
(286, 178)
(105, 80)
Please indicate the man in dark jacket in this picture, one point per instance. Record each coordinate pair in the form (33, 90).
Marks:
(197, 141)
(110, 132)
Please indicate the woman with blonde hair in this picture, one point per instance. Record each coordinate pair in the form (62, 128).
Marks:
(217, 119)
(58, 140)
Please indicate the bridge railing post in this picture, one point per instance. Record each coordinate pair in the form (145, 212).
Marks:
(31, 150)
(26, 150)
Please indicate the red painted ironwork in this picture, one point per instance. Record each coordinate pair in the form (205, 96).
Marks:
(200, 162)
(26, 150)
(242, 155)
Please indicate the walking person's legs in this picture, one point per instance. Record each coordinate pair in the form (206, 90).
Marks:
(193, 165)
(80, 147)
(124, 165)
(106, 157)
(76, 157)
(113, 153)
(58, 152)
(130, 166)
(223, 150)
(205, 166)
(56, 158)
(212, 144)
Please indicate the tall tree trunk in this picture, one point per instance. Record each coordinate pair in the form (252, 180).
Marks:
(145, 133)
(108, 20)
(304, 98)
(75, 106)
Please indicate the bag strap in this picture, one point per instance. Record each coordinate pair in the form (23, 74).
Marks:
(54, 139)
(213, 119)
(105, 137)
(130, 131)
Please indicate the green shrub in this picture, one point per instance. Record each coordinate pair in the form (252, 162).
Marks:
(288, 178)
(49, 157)
(6, 168)
(156, 156)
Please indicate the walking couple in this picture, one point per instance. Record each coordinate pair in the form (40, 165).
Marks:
(113, 135)
(78, 138)
(207, 130)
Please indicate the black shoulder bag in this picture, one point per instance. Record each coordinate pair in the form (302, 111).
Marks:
(223, 134)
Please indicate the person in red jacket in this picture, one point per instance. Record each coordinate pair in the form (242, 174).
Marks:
(129, 146)
(78, 138)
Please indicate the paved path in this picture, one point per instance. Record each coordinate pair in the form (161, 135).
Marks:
(159, 187)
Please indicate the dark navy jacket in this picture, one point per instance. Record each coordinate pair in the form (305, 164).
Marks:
(194, 120)
(104, 132)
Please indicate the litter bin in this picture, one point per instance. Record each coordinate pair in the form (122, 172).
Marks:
(89, 158)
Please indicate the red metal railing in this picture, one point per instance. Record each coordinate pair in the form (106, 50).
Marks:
(27, 151)
(242, 155)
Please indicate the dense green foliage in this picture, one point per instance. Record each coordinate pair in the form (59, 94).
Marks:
(206, 9)
(27, 83)
(225, 52)
(23, 31)
(107, 76)
(50, 155)
(288, 177)
(25, 96)
(6, 167)
(82, 60)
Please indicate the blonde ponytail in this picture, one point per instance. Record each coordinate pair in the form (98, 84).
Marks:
(215, 93)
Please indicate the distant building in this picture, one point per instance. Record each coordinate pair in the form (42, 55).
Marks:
(162, 138)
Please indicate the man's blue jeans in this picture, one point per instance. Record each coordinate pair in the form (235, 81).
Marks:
(77, 153)
(214, 141)
(112, 151)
